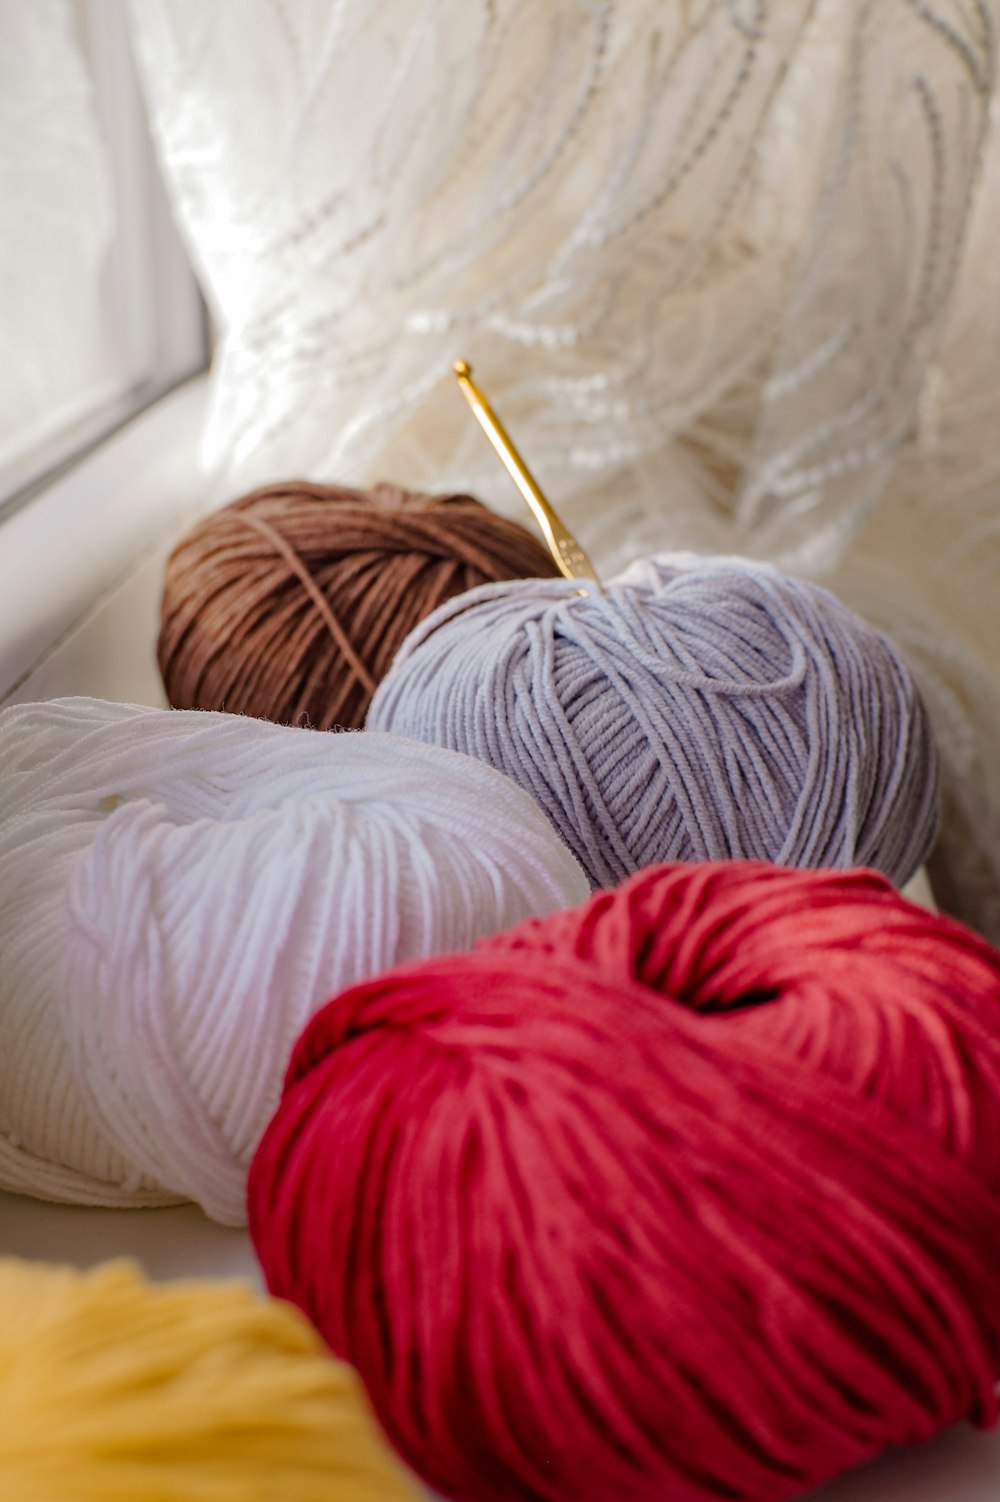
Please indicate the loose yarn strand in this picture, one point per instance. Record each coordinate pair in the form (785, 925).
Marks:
(340, 638)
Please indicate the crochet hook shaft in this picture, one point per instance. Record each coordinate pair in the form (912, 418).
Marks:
(570, 559)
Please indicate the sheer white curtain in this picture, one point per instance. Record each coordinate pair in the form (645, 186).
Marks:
(728, 267)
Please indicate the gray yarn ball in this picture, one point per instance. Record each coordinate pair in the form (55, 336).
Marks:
(697, 709)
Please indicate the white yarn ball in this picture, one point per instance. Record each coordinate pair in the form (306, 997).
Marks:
(180, 890)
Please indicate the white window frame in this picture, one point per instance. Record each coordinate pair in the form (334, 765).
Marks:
(158, 313)
(85, 533)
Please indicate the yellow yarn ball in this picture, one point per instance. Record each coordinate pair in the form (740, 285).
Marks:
(113, 1389)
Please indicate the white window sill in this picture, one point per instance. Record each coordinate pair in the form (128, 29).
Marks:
(84, 536)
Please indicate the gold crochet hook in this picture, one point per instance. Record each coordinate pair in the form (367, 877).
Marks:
(568, 556)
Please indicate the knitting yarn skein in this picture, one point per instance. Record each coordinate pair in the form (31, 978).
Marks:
(696, 709)
(116, 1390)
(691, 1192)
(179, 890)
(291, 603)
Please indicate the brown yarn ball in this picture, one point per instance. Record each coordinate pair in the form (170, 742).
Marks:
(291, 603)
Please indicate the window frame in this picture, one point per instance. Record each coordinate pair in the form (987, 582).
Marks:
(157, 313)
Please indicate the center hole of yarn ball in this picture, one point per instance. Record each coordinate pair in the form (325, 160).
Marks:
(736, 987)
(722, 1006)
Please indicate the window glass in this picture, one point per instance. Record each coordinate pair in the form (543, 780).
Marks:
(99, 312)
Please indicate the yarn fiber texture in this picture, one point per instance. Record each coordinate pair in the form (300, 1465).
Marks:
(116, 1390)
(179, 890)
(291, 603)
(690, 1192)
(698, 709)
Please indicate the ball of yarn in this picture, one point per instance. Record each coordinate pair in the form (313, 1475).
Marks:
(179, 890)
(698, 709)
(692, 1192)
(291, 603)
(115, 1390)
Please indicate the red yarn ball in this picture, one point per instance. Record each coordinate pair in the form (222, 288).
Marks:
(692, 1192)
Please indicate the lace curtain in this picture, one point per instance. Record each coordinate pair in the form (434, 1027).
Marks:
(728, 268)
